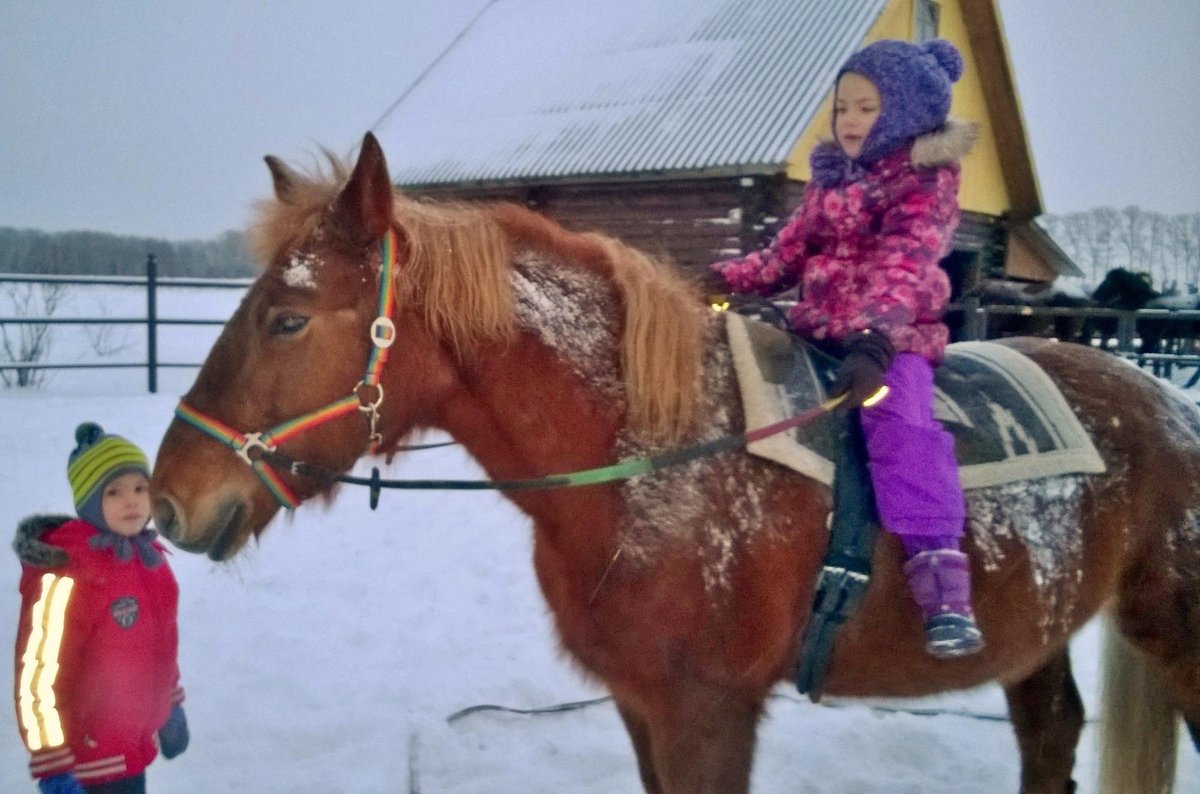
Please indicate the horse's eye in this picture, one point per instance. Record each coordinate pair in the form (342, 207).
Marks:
(288, 324)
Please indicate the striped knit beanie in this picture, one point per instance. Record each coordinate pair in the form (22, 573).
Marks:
(95, 461)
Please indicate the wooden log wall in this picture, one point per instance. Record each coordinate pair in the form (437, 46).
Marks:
(691, 222)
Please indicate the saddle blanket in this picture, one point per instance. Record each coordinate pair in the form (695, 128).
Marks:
(1009, 421)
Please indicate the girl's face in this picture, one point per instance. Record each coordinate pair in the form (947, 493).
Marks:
(125, 504)
(856, 106)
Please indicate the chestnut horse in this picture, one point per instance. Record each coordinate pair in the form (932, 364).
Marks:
(685, 589)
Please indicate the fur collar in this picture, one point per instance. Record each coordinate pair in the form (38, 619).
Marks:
(29, 546)
(947, 144)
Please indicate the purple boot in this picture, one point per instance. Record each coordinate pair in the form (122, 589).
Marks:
(941, 586)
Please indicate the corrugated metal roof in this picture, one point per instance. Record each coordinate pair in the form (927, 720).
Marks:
(551, 89)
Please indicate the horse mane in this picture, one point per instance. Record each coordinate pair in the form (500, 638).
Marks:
(457, 273)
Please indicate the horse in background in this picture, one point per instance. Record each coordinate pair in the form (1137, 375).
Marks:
(684, 589)
(1003, 292)
(1164, 334)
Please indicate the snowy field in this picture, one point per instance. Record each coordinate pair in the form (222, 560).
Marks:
(331, 657)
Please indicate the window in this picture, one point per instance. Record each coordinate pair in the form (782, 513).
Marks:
(926, 23)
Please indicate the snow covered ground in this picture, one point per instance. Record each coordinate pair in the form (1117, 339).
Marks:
(331, 657)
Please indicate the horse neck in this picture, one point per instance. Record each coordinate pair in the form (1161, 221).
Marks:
(549, 400)
(523, 412)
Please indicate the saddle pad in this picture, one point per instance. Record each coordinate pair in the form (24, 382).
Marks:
(1009, 420)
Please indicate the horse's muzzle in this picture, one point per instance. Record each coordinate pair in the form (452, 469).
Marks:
(216, 543)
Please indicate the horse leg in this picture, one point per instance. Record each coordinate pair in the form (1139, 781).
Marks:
(701, 739)
(639, 734)
(1047, 716)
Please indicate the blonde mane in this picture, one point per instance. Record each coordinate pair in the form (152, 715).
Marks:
(457, 272)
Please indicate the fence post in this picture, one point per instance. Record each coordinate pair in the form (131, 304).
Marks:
(152, 323)
(1126, 329)
(974, 322)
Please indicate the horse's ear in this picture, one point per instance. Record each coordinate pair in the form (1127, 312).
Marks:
(364, 207)
(285, 178)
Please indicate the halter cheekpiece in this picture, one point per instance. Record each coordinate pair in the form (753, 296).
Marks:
(366, 396)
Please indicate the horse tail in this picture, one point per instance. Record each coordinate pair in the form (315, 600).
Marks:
(1138, 726)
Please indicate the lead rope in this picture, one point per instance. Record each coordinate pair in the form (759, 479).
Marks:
(621, 470)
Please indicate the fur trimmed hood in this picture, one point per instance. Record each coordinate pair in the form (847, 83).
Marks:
(945, 145)
(949, 144)
(31, 549)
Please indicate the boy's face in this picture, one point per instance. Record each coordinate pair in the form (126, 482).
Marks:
(125, 504)
(856, 106)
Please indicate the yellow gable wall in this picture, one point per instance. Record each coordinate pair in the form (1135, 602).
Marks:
(983, 188)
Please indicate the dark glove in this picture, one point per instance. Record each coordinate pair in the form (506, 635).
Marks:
(66, 783)
(173, 735)
(868, 356)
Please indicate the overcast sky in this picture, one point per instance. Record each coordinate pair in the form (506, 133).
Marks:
(151, 118)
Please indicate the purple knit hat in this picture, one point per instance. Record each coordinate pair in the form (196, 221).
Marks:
(914, 89)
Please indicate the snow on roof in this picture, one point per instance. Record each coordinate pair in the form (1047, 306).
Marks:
(565, 88)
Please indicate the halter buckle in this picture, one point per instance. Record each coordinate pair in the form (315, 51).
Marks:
(252, 441)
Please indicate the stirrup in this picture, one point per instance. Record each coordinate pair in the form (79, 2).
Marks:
(952, 634)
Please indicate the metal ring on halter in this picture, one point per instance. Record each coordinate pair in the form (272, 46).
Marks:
(253, 441)
(373, 406)
(383, 332)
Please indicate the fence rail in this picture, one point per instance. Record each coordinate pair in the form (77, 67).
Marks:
(151, 283)
(976, 318)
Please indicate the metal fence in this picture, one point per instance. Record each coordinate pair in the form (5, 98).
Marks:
(151, 283)
(974, 320)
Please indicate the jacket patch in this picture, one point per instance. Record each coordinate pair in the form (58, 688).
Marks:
(124, 611)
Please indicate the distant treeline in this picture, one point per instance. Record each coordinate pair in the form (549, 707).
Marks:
(100, 254)
(1167, 247)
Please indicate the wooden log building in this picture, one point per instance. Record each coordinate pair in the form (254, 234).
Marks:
(684, 126)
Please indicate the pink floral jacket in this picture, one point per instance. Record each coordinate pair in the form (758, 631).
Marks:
(865, 251)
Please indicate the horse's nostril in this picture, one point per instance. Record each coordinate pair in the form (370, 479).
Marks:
(164, 517)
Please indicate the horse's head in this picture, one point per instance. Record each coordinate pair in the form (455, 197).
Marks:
(1124, 289)
(298, 343)
(302, 340)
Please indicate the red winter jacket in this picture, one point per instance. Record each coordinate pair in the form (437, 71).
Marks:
(96, 667)
(866, 251)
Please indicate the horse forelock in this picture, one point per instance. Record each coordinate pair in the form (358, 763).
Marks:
(280, 224)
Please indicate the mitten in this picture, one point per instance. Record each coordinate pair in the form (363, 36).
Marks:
(173, 735)
(66, 783)
(868, 356)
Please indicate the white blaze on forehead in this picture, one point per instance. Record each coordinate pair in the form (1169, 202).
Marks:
(300, 272)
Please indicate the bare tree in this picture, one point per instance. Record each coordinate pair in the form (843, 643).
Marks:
(28, 343)
(107, 339)
(1186, 233)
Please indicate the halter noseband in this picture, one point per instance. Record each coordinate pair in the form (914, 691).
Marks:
(250, 446)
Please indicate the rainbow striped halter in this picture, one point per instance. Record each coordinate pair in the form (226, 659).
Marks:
(366, 397)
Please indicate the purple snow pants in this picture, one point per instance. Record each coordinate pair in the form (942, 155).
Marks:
(911, 458)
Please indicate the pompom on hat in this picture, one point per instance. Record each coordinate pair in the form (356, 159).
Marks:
(97, 459)
(914, 83)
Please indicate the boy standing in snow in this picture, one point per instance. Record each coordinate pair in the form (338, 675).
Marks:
(97, 678)
(864, 245)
